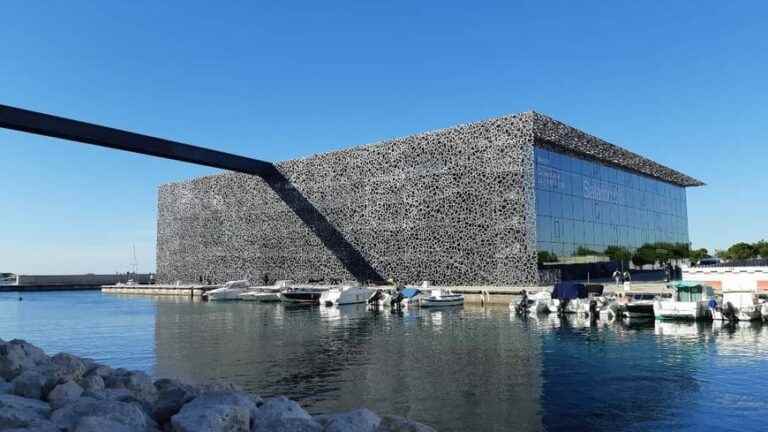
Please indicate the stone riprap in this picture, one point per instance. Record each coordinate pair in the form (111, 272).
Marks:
(65, 393)
(454, 206)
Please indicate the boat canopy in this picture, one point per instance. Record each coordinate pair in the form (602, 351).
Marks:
(409, 292)
(691, 291)
(569, 291)
(684, 284)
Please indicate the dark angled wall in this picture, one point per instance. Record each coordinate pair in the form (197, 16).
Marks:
(453, 206)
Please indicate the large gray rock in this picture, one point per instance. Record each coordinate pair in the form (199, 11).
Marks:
(359, 420)
(138, 383)
(211, 418)
(172, 395)
(100, 370)
(64, 393)
(101, 424)
(217, 411)
(280, 407)
(36, 426)
(17, 356)
(18, 412)
(69, 366)
(390, 423)
(282, 414)
(127, 414)
(92, 382)
(287, 425)
(5, 387)
(30, 384)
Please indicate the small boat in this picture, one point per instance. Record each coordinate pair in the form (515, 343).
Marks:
(266, 294)
(408, 296)
(348, 293)
(542, 303)
(738, 304)
(574, 298)
(230, 291)
(441, 297)
(305, 295)
(690, 301)
(639, 305)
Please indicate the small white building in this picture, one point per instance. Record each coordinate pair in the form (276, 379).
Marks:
(724, 277)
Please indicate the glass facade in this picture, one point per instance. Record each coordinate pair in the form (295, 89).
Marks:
(585, 203)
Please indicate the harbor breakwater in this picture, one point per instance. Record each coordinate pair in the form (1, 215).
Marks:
(66, 393)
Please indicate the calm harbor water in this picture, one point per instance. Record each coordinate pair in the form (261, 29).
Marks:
(466, 369)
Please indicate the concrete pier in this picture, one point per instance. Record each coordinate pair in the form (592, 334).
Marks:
(172, 290)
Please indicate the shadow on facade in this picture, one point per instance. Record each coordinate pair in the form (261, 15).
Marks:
(352, 260)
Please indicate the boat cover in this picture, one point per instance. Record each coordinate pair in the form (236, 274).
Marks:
(569, 291)
(685, 284)
(409, 292)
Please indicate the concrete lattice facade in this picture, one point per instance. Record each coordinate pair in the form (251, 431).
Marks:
(455, 206)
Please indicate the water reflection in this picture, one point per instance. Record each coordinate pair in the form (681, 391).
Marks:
(449, 367)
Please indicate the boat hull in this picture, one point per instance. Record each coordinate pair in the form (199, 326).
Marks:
(451, 300)
(674, 310)
(300, 297)
(261, 297)
(346, 296)
(228, 295)
(639, 310)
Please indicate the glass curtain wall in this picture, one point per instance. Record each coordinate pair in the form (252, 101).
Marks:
(585, 203)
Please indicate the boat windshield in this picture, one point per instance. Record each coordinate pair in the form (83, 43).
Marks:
(689, 293)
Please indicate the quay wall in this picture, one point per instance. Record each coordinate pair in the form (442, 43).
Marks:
(64, 282)
(454, 207)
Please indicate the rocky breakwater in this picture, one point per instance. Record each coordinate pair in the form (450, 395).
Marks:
(68, 393)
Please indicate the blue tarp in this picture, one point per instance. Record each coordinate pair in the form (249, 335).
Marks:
(569, 291)
(409, 292)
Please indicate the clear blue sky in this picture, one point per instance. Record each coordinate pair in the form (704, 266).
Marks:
(684, 83)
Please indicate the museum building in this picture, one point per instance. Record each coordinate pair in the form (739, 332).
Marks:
(467, 205)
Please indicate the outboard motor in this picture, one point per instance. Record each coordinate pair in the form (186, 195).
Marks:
(396, 300)
(378, 295)
(593, 314)
(729, 312)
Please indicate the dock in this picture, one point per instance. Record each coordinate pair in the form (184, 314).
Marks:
(190, 290)
(472, 294)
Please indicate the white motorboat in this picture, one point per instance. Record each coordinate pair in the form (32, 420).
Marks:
(690, 301)
(306, 294)
(440, 297)
(230, 291)
(542, 303)
(738, 304)
(638, 305)
(407, 297)
(347, 293)
(266, 294)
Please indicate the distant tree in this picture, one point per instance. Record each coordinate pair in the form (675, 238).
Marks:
(761, 248)
(681, 251)
(723, 254)
(545, 257)
(582, 251)
(742, 251)
(697, 254)
(618, 253)
(644, 255)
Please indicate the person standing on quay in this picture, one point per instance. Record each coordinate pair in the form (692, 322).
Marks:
(617, 277)
(627, 280)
